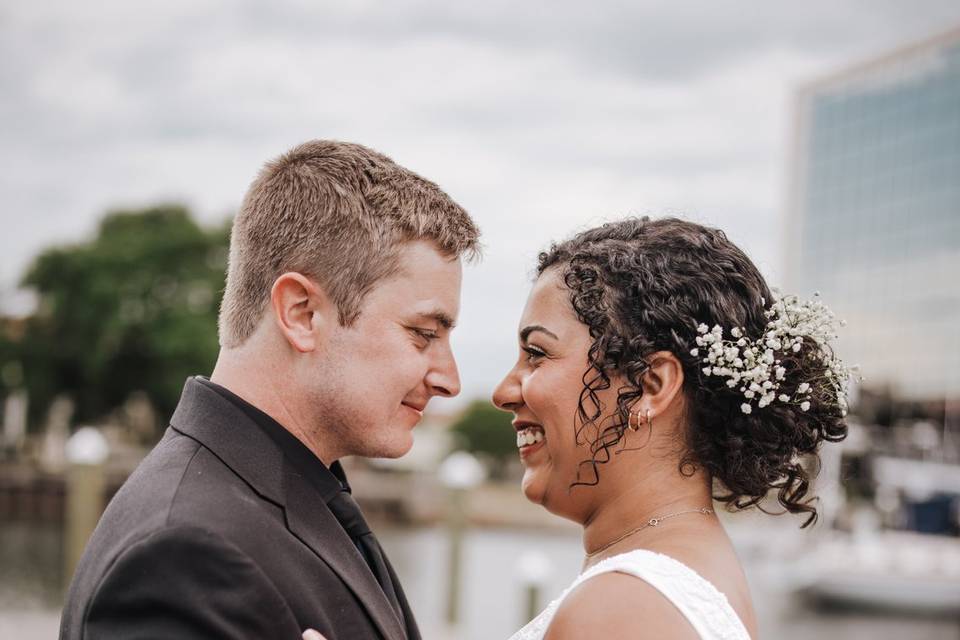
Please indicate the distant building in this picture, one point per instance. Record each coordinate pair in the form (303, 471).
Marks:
(874, 213)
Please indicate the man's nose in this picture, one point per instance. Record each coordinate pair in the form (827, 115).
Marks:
(444, 379)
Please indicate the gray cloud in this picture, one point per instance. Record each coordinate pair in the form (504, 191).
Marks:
(540, 117)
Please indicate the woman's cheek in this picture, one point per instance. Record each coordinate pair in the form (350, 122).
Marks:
(536, 397)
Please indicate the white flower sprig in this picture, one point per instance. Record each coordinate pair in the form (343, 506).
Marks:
(758, 368)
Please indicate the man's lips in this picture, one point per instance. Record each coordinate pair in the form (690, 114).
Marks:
(416, 407)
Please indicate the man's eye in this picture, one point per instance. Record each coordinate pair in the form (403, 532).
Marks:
(533, 354)
(426, 334)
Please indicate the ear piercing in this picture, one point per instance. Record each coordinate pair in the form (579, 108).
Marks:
(636, 426)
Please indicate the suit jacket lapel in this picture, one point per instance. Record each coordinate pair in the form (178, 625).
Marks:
(309, 519)
(220, 426)
(413, 631)
(228, 433)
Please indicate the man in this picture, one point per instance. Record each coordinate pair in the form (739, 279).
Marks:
(342, 288)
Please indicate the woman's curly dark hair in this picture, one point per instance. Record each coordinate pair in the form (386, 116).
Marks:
(643, 286)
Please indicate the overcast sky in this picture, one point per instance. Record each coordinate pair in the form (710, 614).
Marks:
(541, 118)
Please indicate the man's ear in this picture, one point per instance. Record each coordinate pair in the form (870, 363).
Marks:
(662, 382)
(302, 311)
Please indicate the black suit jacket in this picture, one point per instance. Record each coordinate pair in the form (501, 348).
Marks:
(216, 536)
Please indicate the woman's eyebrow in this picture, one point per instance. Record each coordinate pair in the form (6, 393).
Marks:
(526, 331)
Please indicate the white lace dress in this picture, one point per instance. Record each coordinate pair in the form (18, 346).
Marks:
(705, 607)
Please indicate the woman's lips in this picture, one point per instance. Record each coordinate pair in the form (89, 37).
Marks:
(530, 438)
(531, 449)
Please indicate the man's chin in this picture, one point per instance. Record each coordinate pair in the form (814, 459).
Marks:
(398, 448)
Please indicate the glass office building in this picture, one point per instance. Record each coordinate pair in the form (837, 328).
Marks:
(874, 214)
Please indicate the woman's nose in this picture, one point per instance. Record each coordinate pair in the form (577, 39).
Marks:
(506, 396)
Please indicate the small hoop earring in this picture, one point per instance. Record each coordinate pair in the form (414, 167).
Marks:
(649, 420)
(634, 427)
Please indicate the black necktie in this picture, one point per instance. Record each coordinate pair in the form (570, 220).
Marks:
(347, 512)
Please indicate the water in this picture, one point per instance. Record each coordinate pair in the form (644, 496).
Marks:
(493, 593)
(31, 589)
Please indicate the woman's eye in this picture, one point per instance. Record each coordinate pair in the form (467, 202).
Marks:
(533, 354)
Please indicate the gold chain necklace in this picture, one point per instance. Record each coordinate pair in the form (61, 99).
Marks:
(652, 522)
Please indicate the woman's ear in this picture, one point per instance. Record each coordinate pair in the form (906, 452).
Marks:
(662, 383)
(303, 312)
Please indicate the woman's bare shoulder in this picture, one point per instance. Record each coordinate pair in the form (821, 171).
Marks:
(617, 605)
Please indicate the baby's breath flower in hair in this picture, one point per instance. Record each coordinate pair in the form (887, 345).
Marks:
(756, 367)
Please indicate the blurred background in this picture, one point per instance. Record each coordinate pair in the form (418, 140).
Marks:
(824, 137)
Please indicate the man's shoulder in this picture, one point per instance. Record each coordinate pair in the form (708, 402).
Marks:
(144, 501)
(172, 568)
(183, 483)
(180, 488)
(179, 483)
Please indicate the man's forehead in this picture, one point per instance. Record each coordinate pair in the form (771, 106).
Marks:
(418, 257)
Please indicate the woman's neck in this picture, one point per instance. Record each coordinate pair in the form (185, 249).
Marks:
(626, 512)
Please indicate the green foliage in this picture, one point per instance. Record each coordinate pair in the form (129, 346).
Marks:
(485, 430)
(134, 309)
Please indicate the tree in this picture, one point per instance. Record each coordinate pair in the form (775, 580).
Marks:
(484, 430)
(132, 310)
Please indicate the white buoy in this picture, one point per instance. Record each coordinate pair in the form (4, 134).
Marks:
(87, 446)
(461, 470)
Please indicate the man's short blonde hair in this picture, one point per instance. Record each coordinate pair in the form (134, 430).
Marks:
(337, 213)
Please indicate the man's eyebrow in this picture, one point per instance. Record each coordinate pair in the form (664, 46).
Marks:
(526, 331)
(440, 317)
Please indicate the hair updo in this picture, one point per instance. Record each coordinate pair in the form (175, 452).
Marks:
(643, 286)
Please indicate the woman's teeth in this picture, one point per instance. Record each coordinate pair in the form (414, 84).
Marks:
(529, 436)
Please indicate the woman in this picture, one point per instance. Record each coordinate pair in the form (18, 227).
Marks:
(658, 373)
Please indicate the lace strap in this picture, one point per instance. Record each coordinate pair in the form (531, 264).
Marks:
(701, 603)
